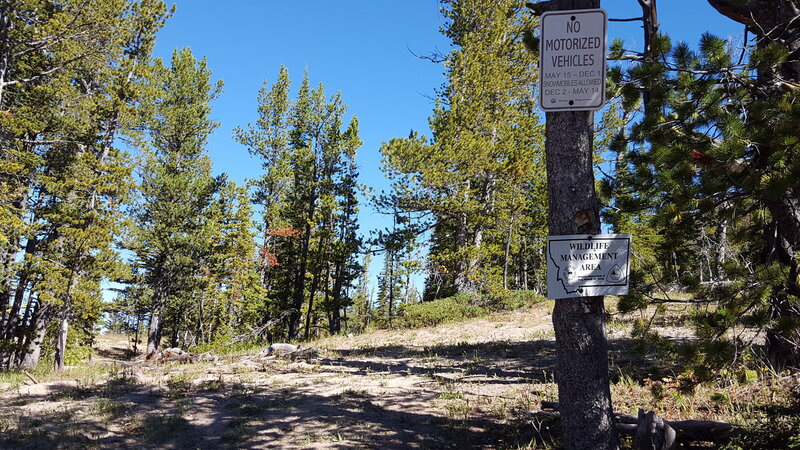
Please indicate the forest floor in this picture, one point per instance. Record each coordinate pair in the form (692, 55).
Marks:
(472, 384)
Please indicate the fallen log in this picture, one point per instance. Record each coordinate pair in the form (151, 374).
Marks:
(685, 430)
(183, 357)
(134, 363)
(289, 350)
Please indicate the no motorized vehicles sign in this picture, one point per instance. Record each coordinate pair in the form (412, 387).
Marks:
(572, 53)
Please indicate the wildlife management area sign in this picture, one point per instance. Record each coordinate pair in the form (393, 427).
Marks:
(581, 265)
(572, 53)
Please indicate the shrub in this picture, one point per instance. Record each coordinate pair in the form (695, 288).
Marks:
(519, 299)
(74, 355)
(222, 345)
(462, 307)
(428, 314)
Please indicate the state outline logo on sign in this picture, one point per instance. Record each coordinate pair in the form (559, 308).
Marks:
(578, 265)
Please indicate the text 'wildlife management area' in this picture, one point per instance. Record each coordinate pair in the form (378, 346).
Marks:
(587, 265)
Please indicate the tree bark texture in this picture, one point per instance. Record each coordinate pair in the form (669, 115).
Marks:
(32, 347)
(156, 326)
(298, 295)
(581, 347)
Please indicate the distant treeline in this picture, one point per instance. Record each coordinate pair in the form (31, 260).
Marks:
(106, 181)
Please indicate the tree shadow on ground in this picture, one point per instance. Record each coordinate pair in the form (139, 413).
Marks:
(513, 362)
(240, 417)
(123, 414)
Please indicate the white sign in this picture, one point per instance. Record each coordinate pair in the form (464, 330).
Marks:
(587, 265)
(572, 67)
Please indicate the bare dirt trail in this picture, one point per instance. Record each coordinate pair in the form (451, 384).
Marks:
(463, 385)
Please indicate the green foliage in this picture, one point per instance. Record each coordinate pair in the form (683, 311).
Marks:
(77, 355)
(478, 183)
(461, 307)
(174, 238)
(436, 312)
(512, 300)
(74, 75)
(705, 170)
(308, 201)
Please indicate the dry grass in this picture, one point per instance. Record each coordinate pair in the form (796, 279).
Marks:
(471, 384)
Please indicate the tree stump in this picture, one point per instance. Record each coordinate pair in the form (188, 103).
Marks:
(653, 433)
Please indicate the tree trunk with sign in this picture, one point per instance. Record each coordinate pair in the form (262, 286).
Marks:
(581, 347)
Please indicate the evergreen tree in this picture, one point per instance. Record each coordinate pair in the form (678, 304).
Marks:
(69, 83)
(390, 289)
(486, 147)
(171, 243)
(307, 197)
(716, 151)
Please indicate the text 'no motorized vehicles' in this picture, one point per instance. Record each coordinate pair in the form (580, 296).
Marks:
(572, 52)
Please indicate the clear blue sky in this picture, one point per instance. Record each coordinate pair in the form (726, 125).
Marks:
(363, 49)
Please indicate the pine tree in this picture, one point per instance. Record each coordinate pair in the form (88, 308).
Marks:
(171, 242)
(70, 83)
(390, 289)
(484, 148)
(308, 203)
(717, 154)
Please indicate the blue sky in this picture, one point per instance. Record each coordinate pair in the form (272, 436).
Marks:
(363, 49)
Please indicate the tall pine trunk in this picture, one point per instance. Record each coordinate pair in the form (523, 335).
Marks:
(156, 324)
(34, 337)
(462, 282)
(581, 348)
(298, 295)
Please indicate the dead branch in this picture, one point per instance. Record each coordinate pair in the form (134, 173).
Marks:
(256, 333)
(134, 363)
(30, 377)
(183, 357)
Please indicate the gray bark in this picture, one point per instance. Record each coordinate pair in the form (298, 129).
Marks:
(61, 340)
(581, 347)
(461, 281)
(155, 329)
(32, 347)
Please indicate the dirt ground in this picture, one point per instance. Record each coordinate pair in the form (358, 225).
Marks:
(464, 385)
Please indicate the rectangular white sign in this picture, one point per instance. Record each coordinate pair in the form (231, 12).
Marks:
(572, 52)
(587, 265)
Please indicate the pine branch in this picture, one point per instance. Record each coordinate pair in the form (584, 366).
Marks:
(540, 8)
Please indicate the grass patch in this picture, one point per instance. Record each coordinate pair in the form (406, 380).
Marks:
(178, 386)
(450, 396)
(436, 312)
(236, 430)
(109, 408)
(351, 393)
(160, 428)
(463, 307)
